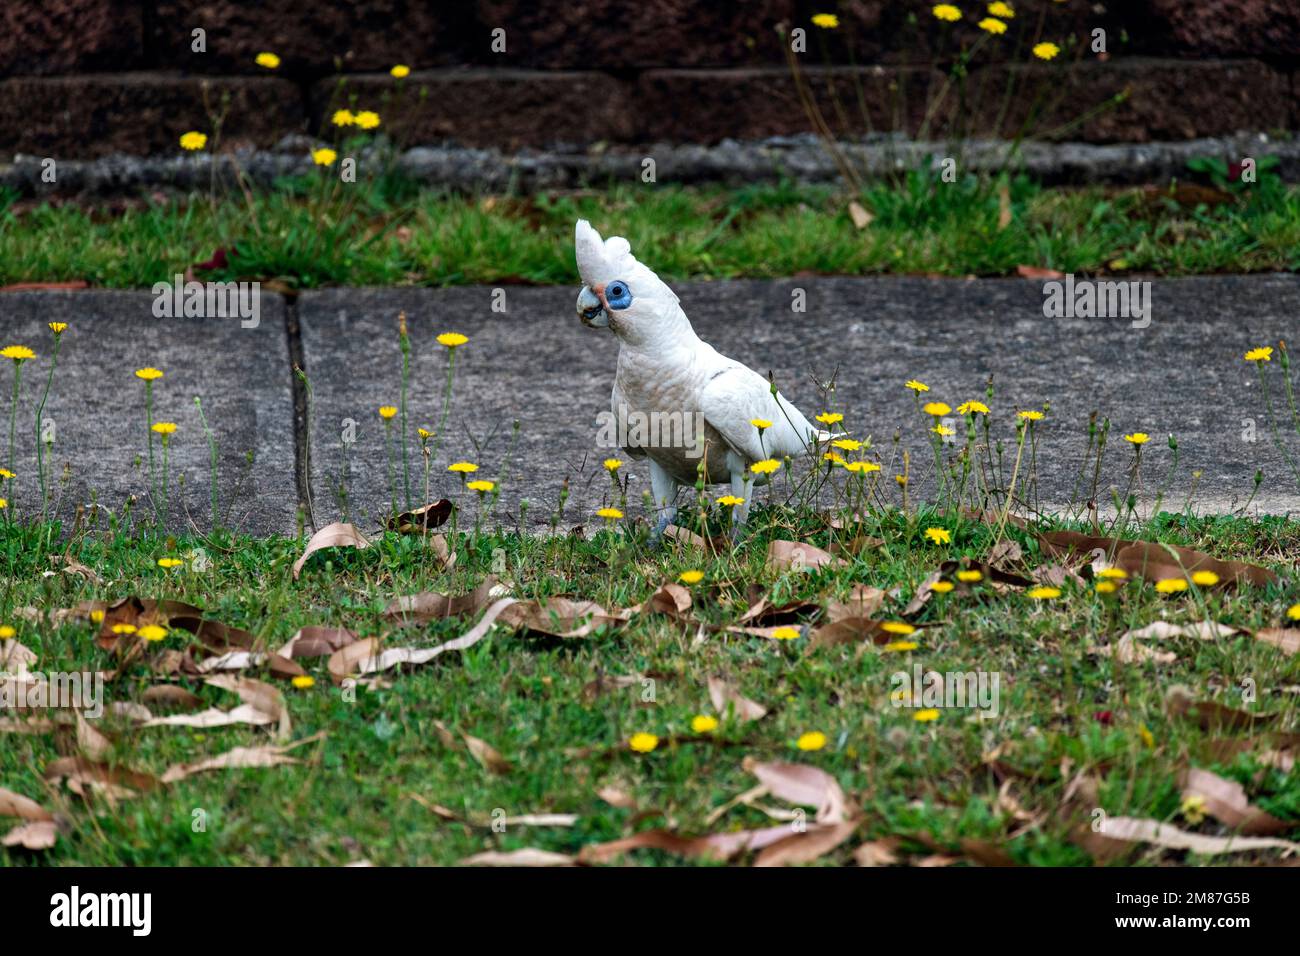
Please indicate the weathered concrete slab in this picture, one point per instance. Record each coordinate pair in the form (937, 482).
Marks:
(96, 405)
(535, 363)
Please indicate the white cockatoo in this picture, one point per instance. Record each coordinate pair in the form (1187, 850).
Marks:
(676, 399)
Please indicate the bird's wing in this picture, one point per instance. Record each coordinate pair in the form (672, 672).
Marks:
(735, 396)
(616, 401)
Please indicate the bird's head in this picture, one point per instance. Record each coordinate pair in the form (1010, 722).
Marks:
(619, 292)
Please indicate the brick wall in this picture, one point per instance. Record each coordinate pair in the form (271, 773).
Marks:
(86, 78)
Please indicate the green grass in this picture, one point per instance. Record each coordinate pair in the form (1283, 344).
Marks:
(391, 234)
(354, 795)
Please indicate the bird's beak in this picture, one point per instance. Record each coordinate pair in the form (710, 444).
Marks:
(591, 309)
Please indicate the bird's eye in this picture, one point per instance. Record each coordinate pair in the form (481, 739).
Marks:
(618, 295)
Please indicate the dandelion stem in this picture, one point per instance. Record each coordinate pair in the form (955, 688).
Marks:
(40, 410)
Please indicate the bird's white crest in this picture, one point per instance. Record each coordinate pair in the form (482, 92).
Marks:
(603, 261)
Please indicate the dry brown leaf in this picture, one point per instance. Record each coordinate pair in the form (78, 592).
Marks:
(560, 617)
(799, 556)
(238, 758)
(85, 776)
(1116, 832)
(337, 535)
(863, 602)
(259, 695)
(90, 741)
(813, 843)
(1284, 639)
(858, 213)
(1226, 801)
(215, 717)
(15, 658)
(849, 630)
(617, 798)
(878, 852)
(805, 786)
(1210, 715)
(528, 856)
(1153, 561)
(317, 641)
(486, 754)
(670, 599)
(423, 519)
(366, 661)
(351, 656)
(432, 605)
(723, 695)
(37, 835)
(1038, 272)
(171, 695)
(717, 846)
(16, 805)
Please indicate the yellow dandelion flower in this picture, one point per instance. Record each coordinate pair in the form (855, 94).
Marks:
(925, 716)
(343, 118)
(897, 627)
(58, 328)
(610, 514)
(152, 632)
(1117, 574)
(122, 629)
(324, 156)
(7, 631)
(760, 423)
(613, 464)
(1043, 593)
(827, 21)
(1192, 808)
(193, 140)
(4, 503)
(901, 479)
(1046, 51)
(691, 577)
(943, 431)
(847, 444)
(970, 576)
(1031, 415)
(992, 25)
(387, 411)
(268, 60)
(939, 535)
(704, 724)
(1106, 587)
(861, 467)
(367, 119)
(97, 616)
(946, 11)
(164, 428)
(1171, 585)
(148, 374)
(833, 457)
(830, 418)
(942, 587)
(1003, 10)
(813, 740)
(643, 743)
(1263, 354)
(452, 339)
(1138, 438)
(6, 473)
(170, 563)
(482, 486)
(463, 467)
(765, 467)
(916, 386)
(1147, 737)
(937, 409)
(424, 434)
(730, 501)
(969, 408)
(303, 682)
(19, 353)
(401, 71)
(786, 633)
(901, 646)
(1205, 579)
(1293, 612)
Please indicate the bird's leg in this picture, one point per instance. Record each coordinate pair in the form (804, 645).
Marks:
(742, 486)
(664, 488)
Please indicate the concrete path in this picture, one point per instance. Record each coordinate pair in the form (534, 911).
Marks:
(535, 364)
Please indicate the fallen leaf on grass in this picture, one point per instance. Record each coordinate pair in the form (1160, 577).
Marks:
(215, 717)
(337, 535)
(560, 617)
(258, 695)
(858, 213)
(172, 695)
(1226, 801)
(878, 852)
(799, 556)
(850, 630)
(1286, 640)
(670, 599)
(718, 846)
(15, 658)
(16, 805)
(481, 750)
(317, 641)
(617, 798)
(84, 776)
(90, 741)
(863, 601)
(528, 857)
(422, 519)
(239, 758)
(1211, 715)
(803, 785)
(724, 696)
(814, 842)
(1153, 561)
(362, 655)
(1038, 272)
(1117, 832)
(37, 835)
(432, 605)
